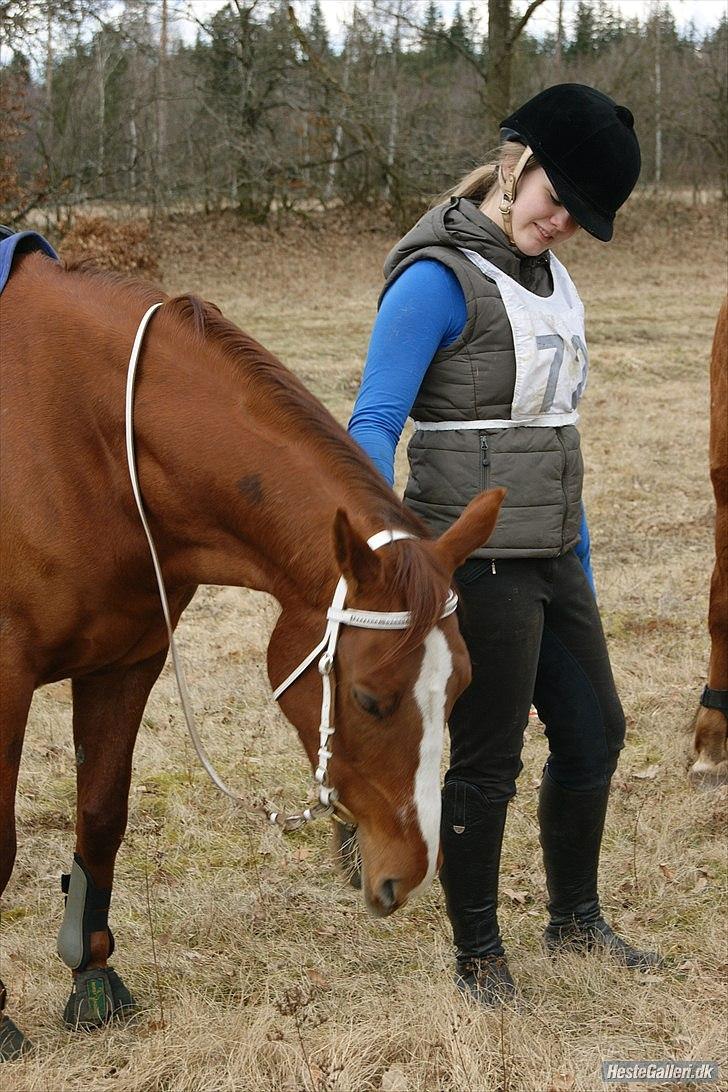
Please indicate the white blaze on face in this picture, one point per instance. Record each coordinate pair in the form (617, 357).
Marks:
(429, 694)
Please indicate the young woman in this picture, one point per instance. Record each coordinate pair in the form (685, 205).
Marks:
(480, 338)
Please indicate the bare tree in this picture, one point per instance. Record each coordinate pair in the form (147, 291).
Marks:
(267, 114)
(503, 33)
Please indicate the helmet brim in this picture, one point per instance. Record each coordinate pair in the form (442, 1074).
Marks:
(593, 221)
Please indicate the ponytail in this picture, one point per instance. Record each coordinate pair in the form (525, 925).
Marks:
(480, 182)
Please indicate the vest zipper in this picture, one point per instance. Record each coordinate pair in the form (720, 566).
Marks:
(485, 478)
(484, 463)
(563, 488)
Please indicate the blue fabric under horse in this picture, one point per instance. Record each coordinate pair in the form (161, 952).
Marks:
(19, 242)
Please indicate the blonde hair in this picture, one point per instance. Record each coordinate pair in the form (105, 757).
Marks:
(479, 183)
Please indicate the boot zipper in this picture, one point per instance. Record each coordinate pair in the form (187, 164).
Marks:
(458, 818)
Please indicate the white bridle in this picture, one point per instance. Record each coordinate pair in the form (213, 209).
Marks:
(336, 616)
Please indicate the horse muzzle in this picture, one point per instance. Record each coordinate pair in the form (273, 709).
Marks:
(388, 896)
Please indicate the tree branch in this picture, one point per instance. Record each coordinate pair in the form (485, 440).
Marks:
(518, 28)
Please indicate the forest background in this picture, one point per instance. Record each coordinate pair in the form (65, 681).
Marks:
(258, 110)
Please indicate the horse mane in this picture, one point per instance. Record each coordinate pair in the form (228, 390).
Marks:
(288, 401)
(413, 573)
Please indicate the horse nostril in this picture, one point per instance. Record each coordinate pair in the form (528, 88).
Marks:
(387, 897)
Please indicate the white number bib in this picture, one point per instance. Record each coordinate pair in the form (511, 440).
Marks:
(550, 346)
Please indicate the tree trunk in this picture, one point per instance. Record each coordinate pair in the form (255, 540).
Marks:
(394, 106)
(338, 133)
(658, 101)
(134, 149)
(162, 85)
(559, 50)
(49, 59)
(498, 76)
(101, 112)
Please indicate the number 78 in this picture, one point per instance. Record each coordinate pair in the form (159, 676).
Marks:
(557, 343)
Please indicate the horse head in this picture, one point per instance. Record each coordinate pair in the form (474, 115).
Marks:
(392, 693)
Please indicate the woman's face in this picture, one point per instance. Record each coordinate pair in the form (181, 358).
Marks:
(539, 220)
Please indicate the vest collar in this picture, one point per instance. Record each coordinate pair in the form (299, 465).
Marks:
(460, 223)
(467, 226)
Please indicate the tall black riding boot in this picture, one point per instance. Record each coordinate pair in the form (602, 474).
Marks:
(471, 834)
(571, 825)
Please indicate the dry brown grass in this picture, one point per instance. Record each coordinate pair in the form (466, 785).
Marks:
(272, 975)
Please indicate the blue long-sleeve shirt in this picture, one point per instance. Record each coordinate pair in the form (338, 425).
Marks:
(422, 311)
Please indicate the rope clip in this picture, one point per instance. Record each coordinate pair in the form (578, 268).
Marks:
(326, 664)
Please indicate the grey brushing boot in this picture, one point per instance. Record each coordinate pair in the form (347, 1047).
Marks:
(471, 835)
(571, 826)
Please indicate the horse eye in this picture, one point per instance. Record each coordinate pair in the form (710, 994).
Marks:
(372, 705)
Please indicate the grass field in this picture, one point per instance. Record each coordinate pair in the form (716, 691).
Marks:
(258, 969)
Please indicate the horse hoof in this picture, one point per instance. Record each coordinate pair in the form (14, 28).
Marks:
(702, 776)
(346, 848)
(97, 996)
(708, 773)
(12, 1041)
(124, 1003)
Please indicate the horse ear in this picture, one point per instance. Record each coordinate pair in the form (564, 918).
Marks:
(471, 531)
(357, 561)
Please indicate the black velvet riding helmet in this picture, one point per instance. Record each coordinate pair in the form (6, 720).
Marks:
(587, 146)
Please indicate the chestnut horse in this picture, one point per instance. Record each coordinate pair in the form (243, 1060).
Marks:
(248, 481)
(711, 722)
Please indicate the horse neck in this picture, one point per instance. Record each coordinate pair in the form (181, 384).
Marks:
(242, 493)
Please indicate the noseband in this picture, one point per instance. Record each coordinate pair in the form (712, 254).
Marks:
(336, 616)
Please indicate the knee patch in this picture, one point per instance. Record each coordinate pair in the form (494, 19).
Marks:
(87, 912)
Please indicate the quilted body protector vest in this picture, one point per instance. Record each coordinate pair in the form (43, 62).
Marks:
(498, 407)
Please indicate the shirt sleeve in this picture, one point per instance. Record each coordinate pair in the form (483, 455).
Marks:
(583, 550)
(423, 311)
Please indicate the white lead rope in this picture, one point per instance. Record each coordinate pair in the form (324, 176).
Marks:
(176, 661)
(336, 616)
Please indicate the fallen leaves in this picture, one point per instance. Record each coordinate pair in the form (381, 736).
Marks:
(648, 774)
(395, 1080)
(702, 881)
(518, 897)
(316, 978)
(562, 1082)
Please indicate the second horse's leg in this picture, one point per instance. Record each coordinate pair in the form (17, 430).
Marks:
(107, 710)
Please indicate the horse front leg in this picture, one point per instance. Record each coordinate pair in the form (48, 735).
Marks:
(107, 711)
(15, 697)
(710, 739)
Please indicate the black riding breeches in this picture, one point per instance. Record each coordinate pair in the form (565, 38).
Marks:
(534, 635)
